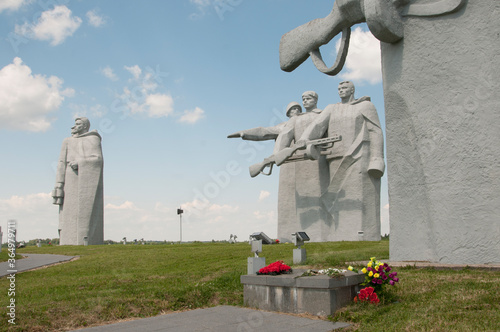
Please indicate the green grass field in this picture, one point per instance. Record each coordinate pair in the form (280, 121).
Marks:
(116, 282)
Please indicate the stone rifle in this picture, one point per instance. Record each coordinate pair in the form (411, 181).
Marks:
(383, 17)
(285, 155)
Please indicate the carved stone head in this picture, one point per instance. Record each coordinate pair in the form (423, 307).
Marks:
(81, 126)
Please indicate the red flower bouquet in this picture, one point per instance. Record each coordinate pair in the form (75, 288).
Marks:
(367, 295)
(275, 268)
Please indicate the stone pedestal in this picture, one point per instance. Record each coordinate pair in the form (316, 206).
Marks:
(299, 256)
(442, 104)
(317, 295)
(254, 264)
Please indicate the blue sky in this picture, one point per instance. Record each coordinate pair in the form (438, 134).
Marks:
(164, 82)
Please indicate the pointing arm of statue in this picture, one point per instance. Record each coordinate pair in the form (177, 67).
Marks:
(235, 135)
(259, 133)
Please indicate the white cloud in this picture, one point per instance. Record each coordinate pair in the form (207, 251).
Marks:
(154, 105)
(266, 215)
(205, 220)
(26, 100)
(140, 96)
(201, 3)
(192, 116)
(160, 207)
(134, 70)
(95, 111)
(263, 195)
(201, 6)
(159, 105)
(149, 82)
(363, 62)
(28, 203)
(202, 220)
(55, 25)
(98, 111)
(94, 19)
(125, 206)
(12, 4)
(108, 72)
(198, 209)
(216, 208)
(36, 216)
(135, 221)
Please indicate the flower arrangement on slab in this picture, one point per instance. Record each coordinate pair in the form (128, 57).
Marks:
(331, 272)
(275, 268)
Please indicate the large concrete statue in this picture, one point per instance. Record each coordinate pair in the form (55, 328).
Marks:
(356, 164)
(441, 73)
(79, 187)
(301, 182)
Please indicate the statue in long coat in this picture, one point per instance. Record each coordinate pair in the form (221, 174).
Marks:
(79, 187)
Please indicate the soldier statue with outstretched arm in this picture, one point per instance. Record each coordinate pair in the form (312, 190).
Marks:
(300, 183)
(356, 164)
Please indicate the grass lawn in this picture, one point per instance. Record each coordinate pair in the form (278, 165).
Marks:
(4, 255)
(116, 282)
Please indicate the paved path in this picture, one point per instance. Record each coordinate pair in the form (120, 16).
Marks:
(33, 261)
(221, 319)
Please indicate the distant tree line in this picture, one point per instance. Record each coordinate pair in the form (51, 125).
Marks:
(34, 242)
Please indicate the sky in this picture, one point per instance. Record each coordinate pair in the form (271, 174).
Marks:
(164, 83)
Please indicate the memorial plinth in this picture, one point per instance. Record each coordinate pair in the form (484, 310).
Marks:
(441, 86)
(318, 295)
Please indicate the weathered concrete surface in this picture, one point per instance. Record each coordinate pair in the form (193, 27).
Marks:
(317, 295)
(442, 101)
(222, 319)
(33, 261)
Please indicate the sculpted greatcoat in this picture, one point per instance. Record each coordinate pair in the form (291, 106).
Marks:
(301, 184)
(81, 214)
(356, 164)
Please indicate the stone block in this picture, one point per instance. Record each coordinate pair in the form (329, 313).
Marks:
(299, 256)
(254, 264)
(317, 295)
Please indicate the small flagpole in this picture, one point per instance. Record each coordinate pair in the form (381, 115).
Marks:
(179, 212)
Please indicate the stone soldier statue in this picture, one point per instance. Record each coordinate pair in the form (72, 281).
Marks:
(301, 183)
(79, 186)
(356, 164)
